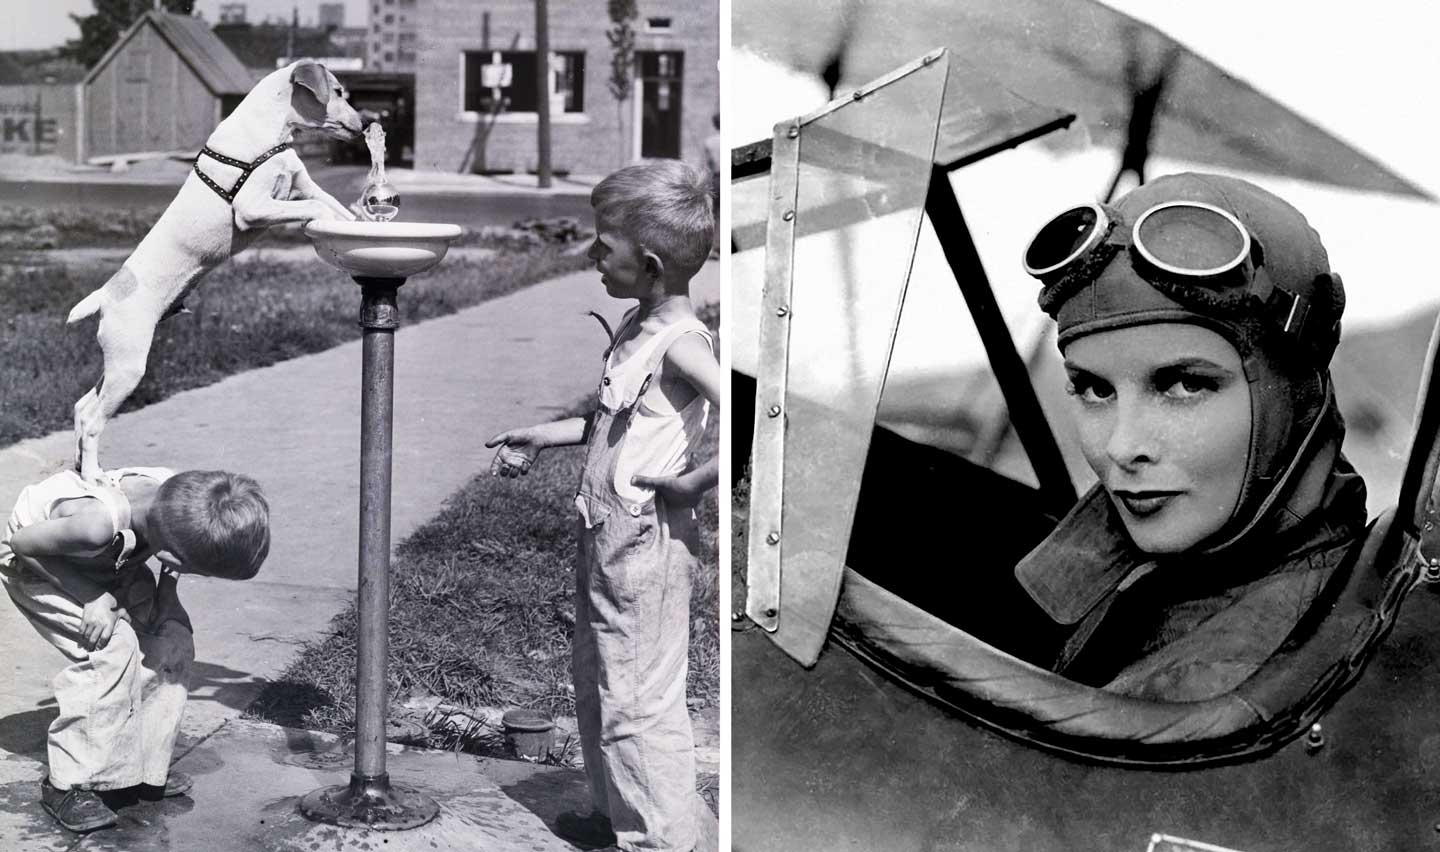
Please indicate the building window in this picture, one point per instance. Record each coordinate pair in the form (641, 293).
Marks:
(389, 56)
(377, 28)
(659, 25)
(517, 93)
(389, 19)
(388, 36)
(407, 56)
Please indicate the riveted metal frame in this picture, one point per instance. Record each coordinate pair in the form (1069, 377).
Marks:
(762, 601)
(766, 531)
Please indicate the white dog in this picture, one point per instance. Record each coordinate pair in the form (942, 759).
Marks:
(246, 178)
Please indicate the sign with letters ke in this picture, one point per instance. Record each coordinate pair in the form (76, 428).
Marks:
(23, 131)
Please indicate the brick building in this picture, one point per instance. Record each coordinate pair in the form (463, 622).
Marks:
(460, 121)
(394, 35)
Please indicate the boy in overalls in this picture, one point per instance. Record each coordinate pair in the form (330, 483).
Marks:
(638, 537)
(73, 560)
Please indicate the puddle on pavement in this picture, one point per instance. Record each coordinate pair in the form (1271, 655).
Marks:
(321, 761)
(307, 751)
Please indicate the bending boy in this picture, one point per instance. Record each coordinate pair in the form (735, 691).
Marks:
(73, 559)
(638, 537)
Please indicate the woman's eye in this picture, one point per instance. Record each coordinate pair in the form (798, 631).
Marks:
(1089, 391)
(1187, 387)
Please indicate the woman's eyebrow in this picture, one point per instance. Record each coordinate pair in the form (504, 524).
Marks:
(1192, 363)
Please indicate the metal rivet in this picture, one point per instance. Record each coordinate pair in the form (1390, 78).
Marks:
(771, 612)
(774, 411)
(772, 538)
(737, 615)
(794, 131)
(1315, 739)
(789, 214)
(782, 310)
(858, 94)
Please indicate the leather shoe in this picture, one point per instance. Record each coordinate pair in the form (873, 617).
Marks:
(77, 810)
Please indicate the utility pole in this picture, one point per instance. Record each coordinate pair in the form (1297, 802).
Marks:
(542, 94)
(290, 37)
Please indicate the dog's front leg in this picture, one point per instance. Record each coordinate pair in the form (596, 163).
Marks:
(265, 212)
(304, 186)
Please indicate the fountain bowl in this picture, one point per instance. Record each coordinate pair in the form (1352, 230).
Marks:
(381, 249)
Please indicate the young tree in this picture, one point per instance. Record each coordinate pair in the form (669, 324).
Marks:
(101, 30)
(622, 60)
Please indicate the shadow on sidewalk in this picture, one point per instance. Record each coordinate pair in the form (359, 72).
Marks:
(25, 733)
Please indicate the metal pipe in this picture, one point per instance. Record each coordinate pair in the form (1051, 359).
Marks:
(379, 317)
(370, 800)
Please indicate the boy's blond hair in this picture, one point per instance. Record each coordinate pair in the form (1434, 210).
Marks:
(215, 519)
(665, 206)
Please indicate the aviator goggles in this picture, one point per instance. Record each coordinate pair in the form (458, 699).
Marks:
(1179, 247)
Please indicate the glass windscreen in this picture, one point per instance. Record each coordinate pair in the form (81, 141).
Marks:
(847, 191)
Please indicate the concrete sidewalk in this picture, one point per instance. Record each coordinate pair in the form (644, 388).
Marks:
(413, 182)
(249, 779)
(295, 428)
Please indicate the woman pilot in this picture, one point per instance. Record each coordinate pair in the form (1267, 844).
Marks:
(1197, 318)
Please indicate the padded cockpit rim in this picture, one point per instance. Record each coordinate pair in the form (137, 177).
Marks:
(1038, 707)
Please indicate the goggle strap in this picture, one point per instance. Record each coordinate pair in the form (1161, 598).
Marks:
(1287, 310)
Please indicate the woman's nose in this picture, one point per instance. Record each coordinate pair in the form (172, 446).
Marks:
(1132, 436)
(594, 251)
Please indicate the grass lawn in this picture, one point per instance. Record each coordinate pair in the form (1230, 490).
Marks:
(481, 609)
(243, 316)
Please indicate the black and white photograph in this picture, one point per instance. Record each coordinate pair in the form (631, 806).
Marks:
(360, 408)
(1084, 426)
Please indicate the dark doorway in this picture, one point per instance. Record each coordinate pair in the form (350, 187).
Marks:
(661, 79)
(392, 97)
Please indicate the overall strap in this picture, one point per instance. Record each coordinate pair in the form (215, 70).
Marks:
(118, 505)
(609, 332)
(661, 345)
(245, 169)
(625, 320)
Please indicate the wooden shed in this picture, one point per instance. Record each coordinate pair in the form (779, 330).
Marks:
(161, 88)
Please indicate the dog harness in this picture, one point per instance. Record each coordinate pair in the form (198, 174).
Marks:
(245, 169)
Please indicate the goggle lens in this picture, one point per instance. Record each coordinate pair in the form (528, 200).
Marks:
(1191, 239)
(1064, 239)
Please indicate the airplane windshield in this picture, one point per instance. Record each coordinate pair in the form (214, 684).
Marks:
(847, 193)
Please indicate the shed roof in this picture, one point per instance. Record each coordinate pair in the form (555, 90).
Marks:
(191, 38)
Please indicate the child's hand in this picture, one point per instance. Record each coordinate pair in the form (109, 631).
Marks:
(97, 621)
(683, 490)
(518, 451)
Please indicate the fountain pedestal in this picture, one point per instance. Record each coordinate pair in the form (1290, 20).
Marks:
(379, 256)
